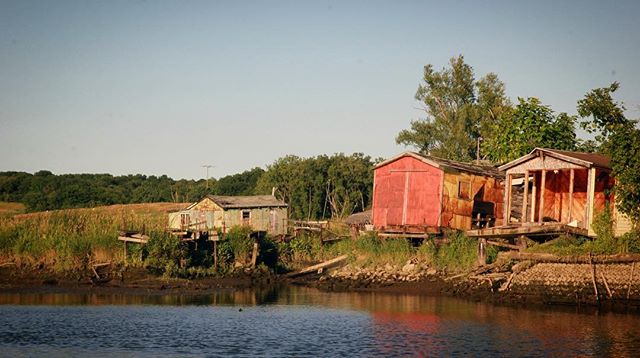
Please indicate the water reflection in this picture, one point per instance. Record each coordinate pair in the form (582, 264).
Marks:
(370, 323)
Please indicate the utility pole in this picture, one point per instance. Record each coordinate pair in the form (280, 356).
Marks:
(207, 166)
(478, 150)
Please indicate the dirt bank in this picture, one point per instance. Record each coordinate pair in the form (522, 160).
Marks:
(130, 281)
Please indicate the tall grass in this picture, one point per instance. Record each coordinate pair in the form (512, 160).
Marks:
(67, 240)
(605, 243)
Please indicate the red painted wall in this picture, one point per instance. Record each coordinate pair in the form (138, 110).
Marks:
(407, 192)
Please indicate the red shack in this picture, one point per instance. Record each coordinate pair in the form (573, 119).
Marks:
(418, 194)
(553, 191)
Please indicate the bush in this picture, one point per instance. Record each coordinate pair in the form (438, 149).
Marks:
(240, 242)
(164, 254)
(459, 254)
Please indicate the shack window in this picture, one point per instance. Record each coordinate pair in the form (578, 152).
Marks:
(464, 190)
(246, 216)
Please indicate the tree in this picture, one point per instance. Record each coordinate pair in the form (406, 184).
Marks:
(531, 124)
(322, 186)
(459, 111)
(619, 138)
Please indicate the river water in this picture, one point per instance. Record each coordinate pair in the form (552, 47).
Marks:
(298, 321)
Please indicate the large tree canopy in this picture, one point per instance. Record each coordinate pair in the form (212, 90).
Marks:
(619, 138)
(322, 186)
(531, 124)
(458, 109)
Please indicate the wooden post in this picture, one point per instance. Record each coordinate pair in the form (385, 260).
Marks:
(588, 208)
(523, 218)
(542, 186)
(482, 251)
(571, 180)
(254, 254)
(533, 199)
(215, 253)
(125, 252)
(507, 204)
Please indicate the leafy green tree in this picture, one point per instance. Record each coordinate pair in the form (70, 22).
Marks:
(619, 138)
(531, 124)
(322, 186)
(458, 110)
(238, 184)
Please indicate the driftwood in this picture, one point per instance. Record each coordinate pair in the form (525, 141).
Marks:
(586, 259)
(593, 279)
(507, 284)
(606, 285)
(315, 268)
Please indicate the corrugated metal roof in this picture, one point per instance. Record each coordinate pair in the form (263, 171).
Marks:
(445, 164)
(244, 202)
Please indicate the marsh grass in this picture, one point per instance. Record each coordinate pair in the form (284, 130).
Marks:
(605, 243)
(67, 240)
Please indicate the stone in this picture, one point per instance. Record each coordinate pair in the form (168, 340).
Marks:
(409, 267)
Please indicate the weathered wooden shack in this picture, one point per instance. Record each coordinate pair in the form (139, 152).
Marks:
(414, 193)
(261, 212)
(561, 191)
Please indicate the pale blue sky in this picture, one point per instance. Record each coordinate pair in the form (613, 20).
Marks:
(162, 87)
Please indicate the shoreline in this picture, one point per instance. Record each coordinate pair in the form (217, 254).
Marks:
(139, 282)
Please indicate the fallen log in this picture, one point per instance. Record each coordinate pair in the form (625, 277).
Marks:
(581, 259)
(322, 265)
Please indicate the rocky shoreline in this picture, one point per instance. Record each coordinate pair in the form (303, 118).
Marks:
(523, 283)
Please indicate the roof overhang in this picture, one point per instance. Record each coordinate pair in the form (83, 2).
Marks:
(537, 152)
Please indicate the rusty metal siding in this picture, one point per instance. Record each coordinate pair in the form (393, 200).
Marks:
(407, 192)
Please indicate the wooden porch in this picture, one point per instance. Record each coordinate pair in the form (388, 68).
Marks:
(528, 230)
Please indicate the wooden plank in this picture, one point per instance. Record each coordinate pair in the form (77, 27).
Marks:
(542, 190)
(133, 239)
(502, 244)
(523, 217)
(323, 265)
(527, 230)
(572, 175)
(593, 278)
(606, 285)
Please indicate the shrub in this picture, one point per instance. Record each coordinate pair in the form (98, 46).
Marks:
(240, 241)
(164, 254)
(459, 254)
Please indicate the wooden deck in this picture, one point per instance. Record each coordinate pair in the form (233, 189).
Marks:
(528, 229)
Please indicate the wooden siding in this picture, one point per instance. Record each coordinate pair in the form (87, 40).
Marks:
(411, 193)
(623, 224)
(207, 215)
(457, 212)
(540, 163)
(407, 192)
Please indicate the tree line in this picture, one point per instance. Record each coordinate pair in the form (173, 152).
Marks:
(315, 188)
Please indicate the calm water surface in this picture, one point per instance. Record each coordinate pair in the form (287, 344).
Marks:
(298, 321)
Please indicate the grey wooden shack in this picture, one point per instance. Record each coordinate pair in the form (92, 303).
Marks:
(261, 212)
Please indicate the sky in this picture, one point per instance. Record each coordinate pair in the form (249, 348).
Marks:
(164, 87)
